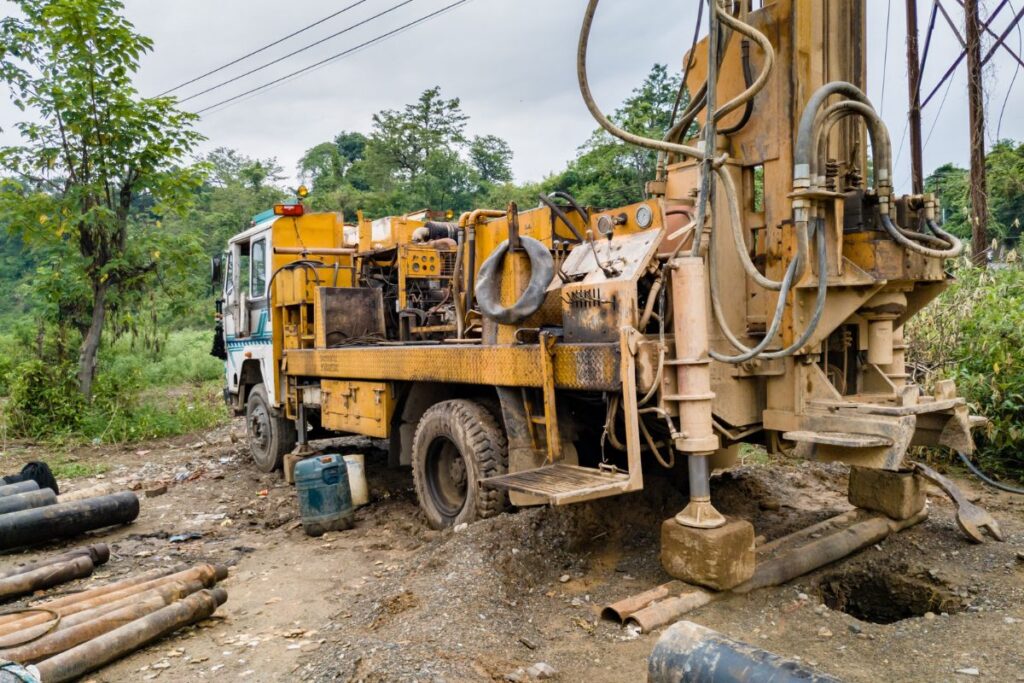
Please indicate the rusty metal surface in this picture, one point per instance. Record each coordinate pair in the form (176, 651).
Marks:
(561, 484)
(593, 367)
(46, 577)
(971, 518)
(623, 609)
(99, 553)
(66, 638)
(112, 645)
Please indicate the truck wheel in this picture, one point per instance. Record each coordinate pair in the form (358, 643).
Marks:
(458, 443)
(270, 436)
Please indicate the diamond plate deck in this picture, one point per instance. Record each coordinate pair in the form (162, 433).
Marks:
(562, 484)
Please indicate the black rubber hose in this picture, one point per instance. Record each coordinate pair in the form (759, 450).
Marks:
(987, 479)
(438, 230)
(748, 80)
(584, 214)
(560, 214)
(488, 288)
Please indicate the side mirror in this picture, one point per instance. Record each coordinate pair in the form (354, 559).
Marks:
(217, 272)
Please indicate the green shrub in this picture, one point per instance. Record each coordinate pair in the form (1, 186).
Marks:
(44, 400)
(974, 334)
(138, 394)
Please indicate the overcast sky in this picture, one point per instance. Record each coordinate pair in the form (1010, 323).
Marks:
(512, 62)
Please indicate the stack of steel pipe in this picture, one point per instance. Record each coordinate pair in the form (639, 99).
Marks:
(65, 638)
(51, 571)
(36, 515)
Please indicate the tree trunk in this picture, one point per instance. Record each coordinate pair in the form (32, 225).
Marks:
(91, 340)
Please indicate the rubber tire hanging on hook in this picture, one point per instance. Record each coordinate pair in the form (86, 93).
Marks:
(488, 287)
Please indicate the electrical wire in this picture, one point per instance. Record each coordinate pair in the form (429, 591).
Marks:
(987, 479)
(340, 55)
(291, 54)
(1013, 81)
(885, 58)
(264, 48)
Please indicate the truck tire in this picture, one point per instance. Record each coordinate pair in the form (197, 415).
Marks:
(458, 443)
(270, 436)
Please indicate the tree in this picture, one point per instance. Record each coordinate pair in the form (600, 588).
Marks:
(330, 165)
(93, 148)
(492, 158)
(608, 172)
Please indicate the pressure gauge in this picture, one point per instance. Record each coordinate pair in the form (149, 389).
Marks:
(644, 217)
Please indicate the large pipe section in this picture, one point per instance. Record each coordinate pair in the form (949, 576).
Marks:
(46, 577)
(98, 553)
(18, 487)
(112, 645)
(690, 653)
(27, 501)
(694, 396)
(76, 634)
(80, 602)
(66, 519)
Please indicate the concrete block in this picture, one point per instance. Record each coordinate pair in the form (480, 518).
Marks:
(899, 495)
(719, 559)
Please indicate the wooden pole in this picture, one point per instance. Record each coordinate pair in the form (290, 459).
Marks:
(976, 102)
(914, 82)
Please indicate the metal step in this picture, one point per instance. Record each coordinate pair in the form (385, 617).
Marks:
(562, 484)
(844, 439)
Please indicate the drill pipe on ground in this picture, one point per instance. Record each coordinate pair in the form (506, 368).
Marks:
(45, 577)
(688, 653)
(72, 604)
(67, 638)
(98, 553)
(789, 564)
(86, 493)
(66, 519)
(110, 646)
(18, 487)
(28, 500)
(168, 593)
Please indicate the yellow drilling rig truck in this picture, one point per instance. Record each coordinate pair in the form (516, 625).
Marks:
(549, 355)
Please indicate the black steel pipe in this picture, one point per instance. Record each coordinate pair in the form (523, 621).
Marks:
(28, 500)
(18, 487)
(688, 653)
(66, 519)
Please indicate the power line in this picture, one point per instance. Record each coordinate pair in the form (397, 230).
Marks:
(1013, 81)
(295, 52)
(264, 48)
(340, 55)
(885, 59)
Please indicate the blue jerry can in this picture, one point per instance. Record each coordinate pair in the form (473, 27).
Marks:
(325, 500)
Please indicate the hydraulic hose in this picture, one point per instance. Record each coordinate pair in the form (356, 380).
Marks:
(780, 309)
(808, 120)
(987, 479)
(588, 97)
(900, 237)
(762, 41)
(881, 147)
(812, 326)
(561, 215)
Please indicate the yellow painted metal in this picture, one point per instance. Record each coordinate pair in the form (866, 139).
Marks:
(547, 353)
(358, 407)
(593, 367)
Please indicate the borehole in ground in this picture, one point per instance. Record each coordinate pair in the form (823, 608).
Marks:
(885, 595)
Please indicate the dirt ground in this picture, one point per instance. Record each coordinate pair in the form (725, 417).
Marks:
(392, 600)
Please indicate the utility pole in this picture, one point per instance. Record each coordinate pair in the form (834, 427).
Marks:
(914, 79)
(975, 94)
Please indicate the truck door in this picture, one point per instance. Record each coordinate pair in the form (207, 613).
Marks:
(257, 300)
